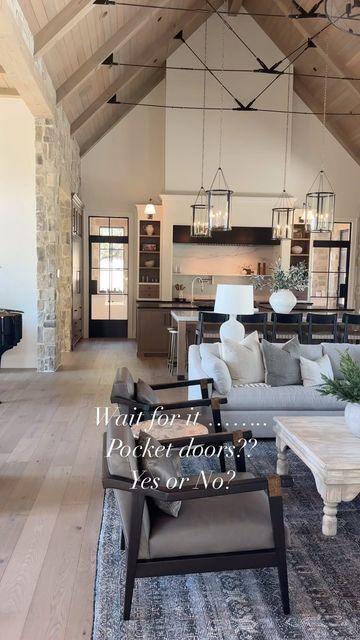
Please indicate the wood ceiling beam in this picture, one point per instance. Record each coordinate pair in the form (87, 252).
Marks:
(65, 20)
(122, 82)
(8, 92)
(234, 6)
(116, 42)
(188, 26)
(17, 58)
(148, 86)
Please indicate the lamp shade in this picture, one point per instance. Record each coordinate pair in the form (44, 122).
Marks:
(234, 299)
(150, 208)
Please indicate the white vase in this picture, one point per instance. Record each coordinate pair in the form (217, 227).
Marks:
(282, 301)
(352, 417)
(149, 229)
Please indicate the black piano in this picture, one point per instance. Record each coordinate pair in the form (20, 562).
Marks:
(10, 329)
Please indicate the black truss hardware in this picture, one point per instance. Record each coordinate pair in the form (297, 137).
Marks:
(313, 13)
(109, 61)
(104, 2)
(113, 100)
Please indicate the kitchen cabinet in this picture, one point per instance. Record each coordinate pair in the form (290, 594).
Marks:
(152, 332)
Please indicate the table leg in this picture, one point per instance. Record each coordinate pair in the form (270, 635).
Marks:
(181, 351)
(329, 521)
(282, 467)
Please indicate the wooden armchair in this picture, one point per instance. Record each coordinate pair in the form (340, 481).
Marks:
(239, 526)
(124, 394)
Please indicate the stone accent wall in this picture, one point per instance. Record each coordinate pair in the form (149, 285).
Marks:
(57, 176)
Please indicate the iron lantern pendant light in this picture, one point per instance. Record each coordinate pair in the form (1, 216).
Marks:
(320, 200)
(283, 212)
(320, 205)
(219, 203)
(200, 227)
(200, 216)
(283, 218)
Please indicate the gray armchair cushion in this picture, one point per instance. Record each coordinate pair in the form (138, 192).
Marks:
(125, 466)
(145, 394)
(282, 366)
(123, 388)
(221, 524)
(161, 467)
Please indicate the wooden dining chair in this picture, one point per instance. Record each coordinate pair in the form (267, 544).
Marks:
(208, 326)
(350, 327)
(321, 327)
(254, 322)
(285, 326)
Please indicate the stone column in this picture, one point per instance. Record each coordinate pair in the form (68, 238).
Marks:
(47, 239)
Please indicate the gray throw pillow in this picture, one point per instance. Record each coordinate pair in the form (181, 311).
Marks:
(162, 467)
(282, 364)
(144, 393)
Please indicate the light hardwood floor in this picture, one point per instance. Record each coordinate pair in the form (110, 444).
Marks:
(50, 489)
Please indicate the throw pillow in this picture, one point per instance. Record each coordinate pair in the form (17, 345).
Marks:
(335, 351)
(158, 467)
(244, 359)
(215, 368)
(311, 370)
(144, 393)
(282, 365)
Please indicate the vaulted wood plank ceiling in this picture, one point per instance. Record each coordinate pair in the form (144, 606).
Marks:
(76, 36)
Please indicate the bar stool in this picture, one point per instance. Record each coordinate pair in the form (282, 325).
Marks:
(351, 327)
(285, 326)
(254, 322)
(172, 350)
(321, 327)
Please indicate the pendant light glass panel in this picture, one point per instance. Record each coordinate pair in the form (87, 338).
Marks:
(283, 219)
(219, 204)
(320, 206)
(200, 227)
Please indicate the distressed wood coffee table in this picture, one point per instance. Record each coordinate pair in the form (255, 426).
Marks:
(331, 453)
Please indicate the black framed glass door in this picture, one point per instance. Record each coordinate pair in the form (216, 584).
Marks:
(330, 268)
(108, 277)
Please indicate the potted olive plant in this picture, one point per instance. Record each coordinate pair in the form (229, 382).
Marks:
(281, 283)
(347, 390)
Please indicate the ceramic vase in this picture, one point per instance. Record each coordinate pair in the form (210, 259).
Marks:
(282, 301)
(352, 417)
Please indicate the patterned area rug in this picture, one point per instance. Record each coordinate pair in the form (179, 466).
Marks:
(324, 576)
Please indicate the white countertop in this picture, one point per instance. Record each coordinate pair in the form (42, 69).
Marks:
(183, 315)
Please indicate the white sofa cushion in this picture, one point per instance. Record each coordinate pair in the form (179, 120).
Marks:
(244, 359)
(215, 367)
(312, 370)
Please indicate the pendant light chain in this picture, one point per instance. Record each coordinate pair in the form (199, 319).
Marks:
(287, 133)
(222, 92)
(325, 102)
(204, 110)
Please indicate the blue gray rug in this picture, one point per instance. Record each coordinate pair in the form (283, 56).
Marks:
(324, 576)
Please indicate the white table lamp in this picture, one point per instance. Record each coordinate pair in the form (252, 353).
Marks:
(234, 299)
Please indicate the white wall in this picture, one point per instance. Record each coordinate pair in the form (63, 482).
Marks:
(18, 225)
(253, 144)
(127, 166)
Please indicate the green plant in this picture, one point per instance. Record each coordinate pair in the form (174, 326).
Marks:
(296, 278)
(347, 389)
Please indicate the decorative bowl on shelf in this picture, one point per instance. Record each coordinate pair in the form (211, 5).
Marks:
(296, 249)
(149, 263)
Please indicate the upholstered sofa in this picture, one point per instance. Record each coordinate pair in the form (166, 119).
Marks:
(254, 406)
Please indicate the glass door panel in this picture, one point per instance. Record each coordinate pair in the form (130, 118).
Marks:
(330, 268)
(108, 277)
